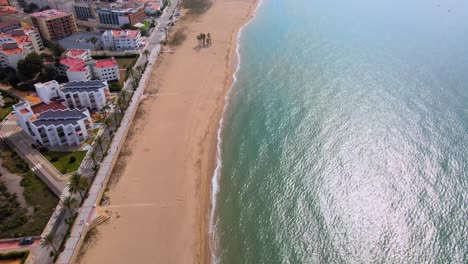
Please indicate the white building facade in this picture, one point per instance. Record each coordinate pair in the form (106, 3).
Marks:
(88, 94)
(55, 127)
(106, 69)
(18, 43)
(122, 39)
(76, 94)
(47, 91)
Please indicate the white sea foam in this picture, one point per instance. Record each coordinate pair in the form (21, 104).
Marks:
(216, 176)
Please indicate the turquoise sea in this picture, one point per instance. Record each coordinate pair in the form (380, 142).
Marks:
(345, 139)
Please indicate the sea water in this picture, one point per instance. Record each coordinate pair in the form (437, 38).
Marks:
(345, 137)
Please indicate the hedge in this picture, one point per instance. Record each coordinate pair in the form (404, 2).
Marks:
(15, 255)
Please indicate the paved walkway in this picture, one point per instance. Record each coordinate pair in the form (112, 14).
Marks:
(87, 212)
(21, 143)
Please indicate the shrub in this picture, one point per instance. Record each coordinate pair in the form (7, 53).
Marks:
(72, 159)
(13, 255)
(54, 159)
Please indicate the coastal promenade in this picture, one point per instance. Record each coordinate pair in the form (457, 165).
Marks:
(88, 212)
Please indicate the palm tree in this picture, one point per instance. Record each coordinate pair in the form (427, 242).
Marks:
(78, 184)
(94, 156)
(204, 39)
(84, 186)
(49, 241)
(139, 69)
(121, 103)
(69, 203)
(94, 40)
(99, 140)
(116, 118)
(199, 38)
(146, 53)
(107, 122)
(74, 183)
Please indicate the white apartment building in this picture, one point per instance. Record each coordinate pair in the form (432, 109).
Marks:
(47, 91)
(106, 69)
(122, 39)
(76, 65)
(76, 94)
(16, 44)
(55, 127)
(79, 66)
(89, 94)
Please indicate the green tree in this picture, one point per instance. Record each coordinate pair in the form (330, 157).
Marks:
(31, 65)
(84, 185)
(48, 73)
(94, 156)
(78, 184)
(107, 122)
(49, 241)
(146, 53)
(99, 140)
(139, 69)
(69, 203)
(94, 40)
(57, 50)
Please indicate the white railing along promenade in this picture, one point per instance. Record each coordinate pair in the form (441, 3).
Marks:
(86, 213)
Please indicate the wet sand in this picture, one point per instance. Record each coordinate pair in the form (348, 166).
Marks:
(160, 199)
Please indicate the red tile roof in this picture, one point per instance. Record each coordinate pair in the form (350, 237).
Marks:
(76, 65)
(76, 52)
(106, 63)
(53, 105)
(125, 33)
(7, 10)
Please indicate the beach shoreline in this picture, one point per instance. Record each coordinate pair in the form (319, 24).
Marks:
(173, 203)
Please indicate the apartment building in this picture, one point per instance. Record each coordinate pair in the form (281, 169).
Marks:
(54, 24)
(55, 127)
(88, 94)
(79, 66)
(122, 39)
(107, 69)
(75, 94)
(18, 43)
(117, 16)
(8, 26)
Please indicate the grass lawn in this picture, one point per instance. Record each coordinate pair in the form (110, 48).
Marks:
(5, 111)
(9, 101)
(65, 162)
(36, 194)
(125, 62)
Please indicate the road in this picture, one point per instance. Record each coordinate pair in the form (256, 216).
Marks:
(11, 132)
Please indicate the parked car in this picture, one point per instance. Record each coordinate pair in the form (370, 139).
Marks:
(26, 241)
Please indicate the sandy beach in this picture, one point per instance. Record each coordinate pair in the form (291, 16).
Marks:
(160, 196)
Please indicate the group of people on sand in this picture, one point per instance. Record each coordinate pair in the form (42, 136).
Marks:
(204, 40)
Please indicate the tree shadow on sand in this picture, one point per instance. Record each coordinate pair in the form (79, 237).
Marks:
(196, 7)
